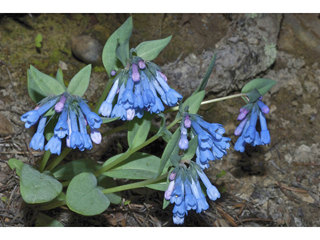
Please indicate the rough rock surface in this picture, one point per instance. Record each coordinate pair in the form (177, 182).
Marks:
(247, 50)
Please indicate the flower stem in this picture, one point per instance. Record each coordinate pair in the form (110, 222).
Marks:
(114, 130)
(209, 101)
(58, 159)
(44, 160)
(135, 185)
(133, 150)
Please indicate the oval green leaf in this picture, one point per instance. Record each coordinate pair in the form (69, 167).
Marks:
(149, 50)
(45, 83)
(80, 82)
(16, 164)
(85, 197)
(261, 84)
(38, 187)
(122, 36)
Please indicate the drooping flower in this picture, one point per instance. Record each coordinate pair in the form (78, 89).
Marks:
(248, 116)
(140, 88)
(72, 113)
(211, 144)
(185, 192)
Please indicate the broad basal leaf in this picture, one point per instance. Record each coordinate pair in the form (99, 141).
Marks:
(80, 82)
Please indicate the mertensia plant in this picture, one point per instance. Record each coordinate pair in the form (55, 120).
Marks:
(137, 91)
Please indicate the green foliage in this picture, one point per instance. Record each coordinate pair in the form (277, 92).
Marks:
(221, 174)
(59, 77)
(189, 153)
(41, 85)
(38, 40)
(108, 182)
(57, 202)
(149, 50)
(263, 85)
(72, 169)
(120, 38)
(172, 148)
(138, 129)
(137, 166)
(16, 164)
(38, 187)
(80, 82)
(193, 103)
(46, 221)
(163, 131)
(165, 203)
(206, 77)
(85, 197)
(49, 130)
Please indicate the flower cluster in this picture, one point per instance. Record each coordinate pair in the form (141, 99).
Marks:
(211, 144)
(185, 192)
(247, 127)
(140, 88)
(72, 115)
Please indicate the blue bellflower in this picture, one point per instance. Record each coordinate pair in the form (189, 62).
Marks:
(187, 194)
(211, 144)
(145, 89)
(248, 116)
(69, 110)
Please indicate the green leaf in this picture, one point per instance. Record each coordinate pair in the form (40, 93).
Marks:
(107, 120)
(206, 77)
(137, 166)
(165, 203)
(85, 197)
(108, 182)
(161, 186)
(149, 50)
(189, 153)
(45, 84)
(138, 130)
(80, 82)
(163, 131)
(109, 56)
(59, 78)
(175, 159)
(16, 164)
(122, 53)
(34, 91)
(49, 130)
(57, 202)
(46, 221)
(193, 102)
(261, 84)
(38, 40)
(72, 169)
(172, 148)
(38, 187)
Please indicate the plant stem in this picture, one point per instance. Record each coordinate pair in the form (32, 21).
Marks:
(135, 185)
(44, 160)
(209, 101)
(133, 150)
(103, 96)
(58, 159)
(114, 130)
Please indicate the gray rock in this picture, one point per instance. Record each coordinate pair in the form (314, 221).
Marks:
(238, 59)
(87, 49)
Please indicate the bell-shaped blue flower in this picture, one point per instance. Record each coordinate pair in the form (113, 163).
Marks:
(61, 129)
(37, 141)
(30, 118)
(76, 140)
(202, 204)
(106, 106)
(177, 195)
(265, 135)
(127, 98)
(54, 145)
(83, 130)
(190, 200)
(147, 95)
(212, 191)
(93, 119)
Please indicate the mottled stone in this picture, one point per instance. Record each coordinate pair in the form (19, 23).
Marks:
(5, 126)
(87, 49)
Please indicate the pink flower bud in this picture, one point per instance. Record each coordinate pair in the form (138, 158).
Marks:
(187, 121)
(141, 64)
(135, 73)
(130, 114)
(168, 192)
(60, 105)
(163, 76)
(172, 176)
(95, 136)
